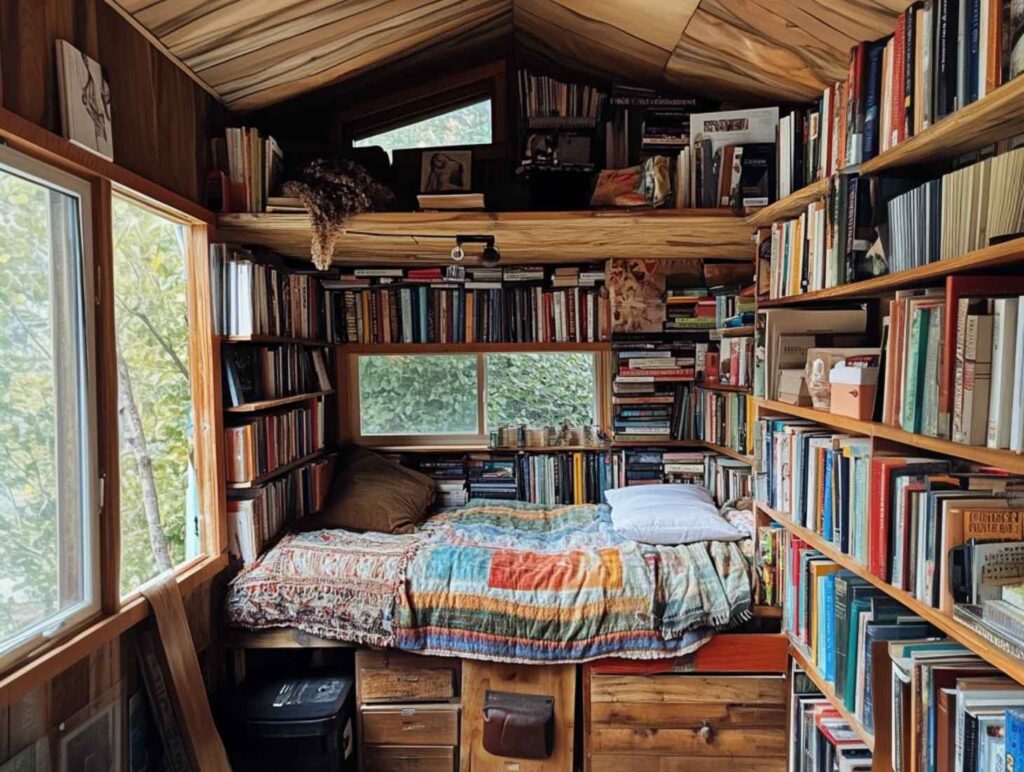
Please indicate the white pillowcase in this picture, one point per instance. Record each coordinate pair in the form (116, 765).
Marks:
(668, 514)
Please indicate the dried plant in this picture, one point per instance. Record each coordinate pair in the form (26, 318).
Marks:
(333, 190)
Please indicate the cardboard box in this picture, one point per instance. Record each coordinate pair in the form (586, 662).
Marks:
(853, 391)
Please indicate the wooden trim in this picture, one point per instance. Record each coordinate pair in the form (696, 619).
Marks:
(36, 141)
(471, 448)
(273, 339)
(108, 442)
(283, 469)
(384, 349)
(766, 612)
(989, 257)
(267, 404)
(45, 664)
(279, 638)
(830, 694)
(791, 206)
(1003, 459)
(724, 387)
(729, 452)
(1010, 665)
(745, 331)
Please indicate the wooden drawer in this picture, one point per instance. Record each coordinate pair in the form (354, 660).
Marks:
(410, 725)
(393, 677)
(627, 762)
(674, 717)
(408, 758)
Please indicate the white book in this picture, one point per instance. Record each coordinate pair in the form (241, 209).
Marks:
(1017, 427)
(1000, 407)
(977, 380)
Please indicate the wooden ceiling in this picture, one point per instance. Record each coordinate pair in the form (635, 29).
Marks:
(255, 53)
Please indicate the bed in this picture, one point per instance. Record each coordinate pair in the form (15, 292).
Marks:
(504, 582)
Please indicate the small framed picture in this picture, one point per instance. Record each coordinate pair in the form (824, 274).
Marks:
(446, 171)
(84, 101)
(91, 739)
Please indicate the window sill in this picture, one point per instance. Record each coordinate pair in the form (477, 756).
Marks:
(44, 664)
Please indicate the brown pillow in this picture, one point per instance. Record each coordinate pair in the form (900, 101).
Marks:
(373, 493)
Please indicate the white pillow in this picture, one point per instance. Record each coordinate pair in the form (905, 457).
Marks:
(668, 514)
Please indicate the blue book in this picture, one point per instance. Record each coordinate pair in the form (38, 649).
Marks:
(1014, 733)
(974, 53)
(872, 99)
(885, 632)
(826, 515)
(423, 312)
(830, 628)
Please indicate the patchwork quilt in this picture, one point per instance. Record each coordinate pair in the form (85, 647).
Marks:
(507, 582)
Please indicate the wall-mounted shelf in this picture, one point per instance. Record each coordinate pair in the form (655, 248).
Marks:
(724, 387)
(522, 237)
(267, 404)
(990, 257)
(382, 349)
(272, 339)
(1009, 664)
(1003, 459)
(790, 206)
(283, 469)
(729, 452)
(468, 448)
(736, 332)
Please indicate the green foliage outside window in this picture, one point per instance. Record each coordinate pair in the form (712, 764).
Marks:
(470, 125)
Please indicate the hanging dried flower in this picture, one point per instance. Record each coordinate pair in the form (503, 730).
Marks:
(333, 190)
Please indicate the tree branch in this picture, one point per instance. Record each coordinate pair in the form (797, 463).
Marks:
(160, 339)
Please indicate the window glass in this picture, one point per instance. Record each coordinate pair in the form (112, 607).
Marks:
(159, 500)
(407, 395)
(540, 389)
(470, 125)
(48, 568)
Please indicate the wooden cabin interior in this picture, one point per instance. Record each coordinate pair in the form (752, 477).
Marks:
(512, 385)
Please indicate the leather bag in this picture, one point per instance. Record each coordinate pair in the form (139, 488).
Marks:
(519, 726)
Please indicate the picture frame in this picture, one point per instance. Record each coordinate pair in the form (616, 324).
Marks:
(91, 738)
(85, 107)
(445, 170)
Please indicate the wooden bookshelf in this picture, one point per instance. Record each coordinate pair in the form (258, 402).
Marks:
(523, 237)
(272, 339)
(666, 444)
(766, 612)
(745, 331)
(267, 404)
(726, 451)
(469, 348)
(797, 653)
(995, 256)
(1012, 666)
(1003, 459)
(789, 207)
(725, 387)
(469, 448)
(284, 469)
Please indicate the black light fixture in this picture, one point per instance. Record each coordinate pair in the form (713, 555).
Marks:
(490, 255)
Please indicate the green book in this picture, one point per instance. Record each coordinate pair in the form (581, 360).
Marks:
(913, 371)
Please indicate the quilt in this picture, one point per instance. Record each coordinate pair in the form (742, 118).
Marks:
(501, 581)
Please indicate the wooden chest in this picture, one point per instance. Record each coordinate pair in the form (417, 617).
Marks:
(385, 676)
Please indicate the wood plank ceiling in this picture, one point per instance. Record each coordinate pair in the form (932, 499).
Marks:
(255, 53)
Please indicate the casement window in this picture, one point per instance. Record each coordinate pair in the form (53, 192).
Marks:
(49, 491)
(462, 398)
(467, 125)
(160, 503)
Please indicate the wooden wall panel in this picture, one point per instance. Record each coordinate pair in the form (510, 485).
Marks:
(162, 119)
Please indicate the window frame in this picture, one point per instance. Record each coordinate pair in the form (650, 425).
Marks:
(480, 438)
(435, 112)
(55, 627)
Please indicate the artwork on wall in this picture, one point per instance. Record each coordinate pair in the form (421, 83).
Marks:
(446, 171)
(32, 758)
(91, 739)
(84, 101)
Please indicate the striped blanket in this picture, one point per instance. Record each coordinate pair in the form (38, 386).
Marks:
(505, 582)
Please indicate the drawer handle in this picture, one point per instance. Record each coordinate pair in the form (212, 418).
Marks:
(706, 733)
(408, 726)
(409, 679)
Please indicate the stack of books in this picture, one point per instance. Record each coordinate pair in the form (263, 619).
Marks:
(256, 516)
(734, 306)
(450, 478)
(541, 96)
(728, 479)
(822, 739)
(259, 294)
(652, 389)
(492, 477)
(254, 165)
(255, 373)
(735, 362)
(257, 446)
(475, 305)
(687, 310)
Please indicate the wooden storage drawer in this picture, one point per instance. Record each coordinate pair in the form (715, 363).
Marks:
(675, 720)
(408, 758)
(628, 762)
(389, 677)
(410, 725)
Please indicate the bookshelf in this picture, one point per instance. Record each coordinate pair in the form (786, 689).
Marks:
(736, 332)
(790, 205)
(469, 348)
(281, 470)
(267, 404)
(1003, 459)
(1012, 666)
(523, 237)
(730, 452)
(798, 655)
(724, 387)
(271, 339)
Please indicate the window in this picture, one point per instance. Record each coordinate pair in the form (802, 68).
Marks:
(466, 396)
(469, 125)
(159, 498)
(49, 566)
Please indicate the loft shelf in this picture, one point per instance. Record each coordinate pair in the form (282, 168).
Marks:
(264, 339)
(1012, 666)
(990, 257)
(267, 404)
(724, 387)
(522, 237)
(1003, 459)
(736, 332)
(283, 469)
(797, 653)
(441, 449)
(991, 118)
(469, 348)
(790, 206)
(731, 453)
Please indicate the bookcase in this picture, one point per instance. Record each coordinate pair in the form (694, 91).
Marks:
(883, 438)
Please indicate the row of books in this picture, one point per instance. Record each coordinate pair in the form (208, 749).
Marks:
(255, 373)
(822, 740)
(955, 361)
(868, 227)
(733, 364)
(258, 446)
(542, 96)
(943, 55)
(685, 311)
(261, 295)
(770, 577)
(734, 307)
(731, 161)
(728, 479)
(488, 306)
(724, 418)
(253, 165)
(255, 516)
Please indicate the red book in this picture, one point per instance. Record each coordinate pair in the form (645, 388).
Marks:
(878, 533)
(964, 287)
(855, 109)
(898, 107)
